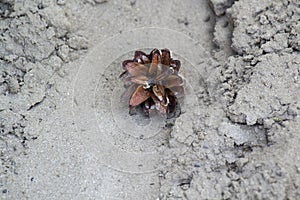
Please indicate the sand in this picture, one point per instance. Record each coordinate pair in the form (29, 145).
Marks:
(65, 134)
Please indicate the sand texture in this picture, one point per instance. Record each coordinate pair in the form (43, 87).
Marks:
(65, 134)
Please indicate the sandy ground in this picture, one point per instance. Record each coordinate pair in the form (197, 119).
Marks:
(64, 134)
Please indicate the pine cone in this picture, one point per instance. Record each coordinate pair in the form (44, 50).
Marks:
(152, 82)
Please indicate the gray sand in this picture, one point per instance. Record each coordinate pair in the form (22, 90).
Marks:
(64, 134)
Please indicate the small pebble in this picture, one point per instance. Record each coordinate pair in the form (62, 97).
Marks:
(61, 2)
(207, 18)
(197, 164)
